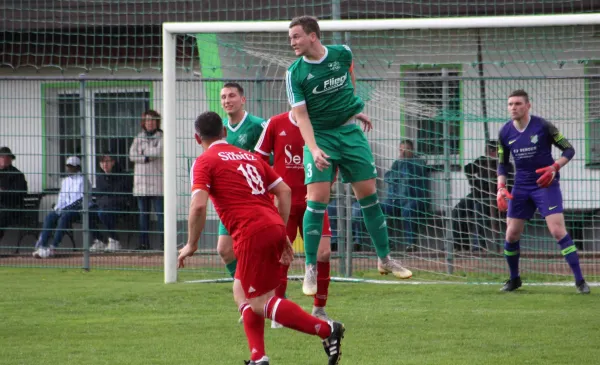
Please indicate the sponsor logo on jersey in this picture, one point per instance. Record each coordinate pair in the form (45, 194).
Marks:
(234, 156)
(534, 139)
(334, 66)
(283, 134)
(292, 161)
(511, 142)
(332, 84)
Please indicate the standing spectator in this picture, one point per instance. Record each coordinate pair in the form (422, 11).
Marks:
(13, 188)
(147, 154)
(471, 216)
(112, 192)
(66, 210)
(407, 193)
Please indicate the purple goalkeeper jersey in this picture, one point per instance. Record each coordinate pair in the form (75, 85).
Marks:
(531, 148)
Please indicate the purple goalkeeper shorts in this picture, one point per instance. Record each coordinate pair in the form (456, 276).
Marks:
(527, 198)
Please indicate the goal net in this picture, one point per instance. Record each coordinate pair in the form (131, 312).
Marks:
(441, 84)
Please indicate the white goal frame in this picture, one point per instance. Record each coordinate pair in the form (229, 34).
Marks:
(169, 109)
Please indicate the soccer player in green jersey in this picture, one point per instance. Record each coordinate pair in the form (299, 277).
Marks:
(243, 131)
(321, 91)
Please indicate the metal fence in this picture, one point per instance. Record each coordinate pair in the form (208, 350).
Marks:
(44, 121)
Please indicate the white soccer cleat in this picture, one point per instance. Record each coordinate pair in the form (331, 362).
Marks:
(113, 245)
(276, 325)
(394, 267)
(98, 246)
(309, 284)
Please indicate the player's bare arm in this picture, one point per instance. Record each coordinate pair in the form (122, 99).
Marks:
(308, 134)
(283, 194)
(196, 222)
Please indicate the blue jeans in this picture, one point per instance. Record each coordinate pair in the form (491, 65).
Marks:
(59, 222)
(144, 203)
(408, 210)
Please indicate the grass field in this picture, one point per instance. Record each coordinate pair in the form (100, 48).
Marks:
(52, 316)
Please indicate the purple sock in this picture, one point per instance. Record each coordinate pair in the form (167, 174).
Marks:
(512, 253)
(569, 251)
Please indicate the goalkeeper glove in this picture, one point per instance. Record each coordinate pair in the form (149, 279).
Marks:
(503, 197)
(548, 174)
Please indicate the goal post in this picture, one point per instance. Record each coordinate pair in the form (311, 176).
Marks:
(169, 72)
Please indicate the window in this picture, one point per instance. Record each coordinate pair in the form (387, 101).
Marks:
(425, 124)
(593, 116)
(112, 121)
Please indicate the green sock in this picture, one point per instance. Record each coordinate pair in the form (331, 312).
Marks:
(311, 230)
(231, 267)
(376, 225)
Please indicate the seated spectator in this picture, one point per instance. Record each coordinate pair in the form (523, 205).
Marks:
(471, 217)
(13, 189)
(407, 193)
(112, 192)
(67, 209)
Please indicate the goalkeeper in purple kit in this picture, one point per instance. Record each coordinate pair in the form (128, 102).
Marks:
(530, 138)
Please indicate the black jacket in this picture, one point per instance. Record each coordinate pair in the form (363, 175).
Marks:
(13, 187)
(113, 190)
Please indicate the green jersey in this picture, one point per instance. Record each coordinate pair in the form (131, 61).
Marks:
(246, 133)
(325, 86)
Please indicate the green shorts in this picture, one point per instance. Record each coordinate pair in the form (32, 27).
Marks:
(348, 151)
(222, 229)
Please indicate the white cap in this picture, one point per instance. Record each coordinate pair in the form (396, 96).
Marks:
(73, 161)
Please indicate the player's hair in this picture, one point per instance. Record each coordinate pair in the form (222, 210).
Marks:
(409, 143)
(152, 114)
(520, 93)
(209, 125)
(309, 24)
(234, 85)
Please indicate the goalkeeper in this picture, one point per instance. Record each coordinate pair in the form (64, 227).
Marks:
(530, 139)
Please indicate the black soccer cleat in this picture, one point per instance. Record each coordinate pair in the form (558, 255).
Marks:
(512, 284)
(582, 287)
(333, 343)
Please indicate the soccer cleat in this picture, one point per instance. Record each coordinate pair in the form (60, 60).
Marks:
(320, 313)
(333, 344)
(582, 287)
(512, 284)
(98, 246)
(394, 267)
(241, 320)
(263, 361)
(309, 284)
(276, 325)
(113, 245)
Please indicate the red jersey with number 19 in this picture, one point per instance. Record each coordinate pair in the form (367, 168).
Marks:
(282, 137)
(238, 183)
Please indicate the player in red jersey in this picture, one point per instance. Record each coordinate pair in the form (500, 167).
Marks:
(282, 138)
(238, 183)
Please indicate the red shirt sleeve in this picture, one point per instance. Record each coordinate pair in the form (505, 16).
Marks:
(264, 146)
(200, 176)
(271, 177)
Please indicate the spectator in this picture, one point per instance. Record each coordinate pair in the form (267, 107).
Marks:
(407, 193)
(146, 153)
(66, 210)
(112, 192)
(471, 216)
(13, 189)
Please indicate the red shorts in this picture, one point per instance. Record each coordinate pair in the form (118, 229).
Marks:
(295, 222)
(258, 260)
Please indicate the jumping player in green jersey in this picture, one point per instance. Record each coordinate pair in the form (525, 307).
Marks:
(243, 131)
(321, 91)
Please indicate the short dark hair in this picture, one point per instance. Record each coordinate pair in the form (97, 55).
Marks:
(152, 114)
(209, 125)
(106, 156)
(520, 93)
(309, 24)
(234, 85)
(408, 142)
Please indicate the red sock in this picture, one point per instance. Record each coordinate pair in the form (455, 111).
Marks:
(322, 284)
(254, 326)
(283, 272)
(290, 315)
